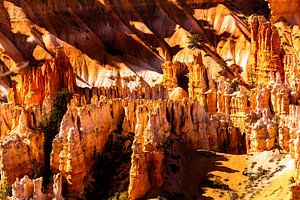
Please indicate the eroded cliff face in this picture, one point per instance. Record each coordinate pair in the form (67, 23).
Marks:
(288, 10)
(21, 143)
(150, 86)
(32, 88)
(27, 188)
(83, 133)
(154, 124)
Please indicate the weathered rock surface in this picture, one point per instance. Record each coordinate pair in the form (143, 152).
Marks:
(32, 88)
(73, 149)
(289, 10)
(139, 88)
(264, 58)
(22, 145)
(83, 132)
(31, 189)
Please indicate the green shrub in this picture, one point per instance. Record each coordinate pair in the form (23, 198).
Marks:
(37, 169)
(253, 164)
(233, 196)
(166, 142)
(234, 85)
(217, 183)
(51, 124)
(251, 178)
(195, 41)
(292, 180)
(5, 189)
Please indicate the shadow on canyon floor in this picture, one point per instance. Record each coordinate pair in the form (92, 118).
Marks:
(111, 168)
(187, 172)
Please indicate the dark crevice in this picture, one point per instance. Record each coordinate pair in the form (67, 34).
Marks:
(183, 81)
(111, 168)
(249, 7)
(50, 127)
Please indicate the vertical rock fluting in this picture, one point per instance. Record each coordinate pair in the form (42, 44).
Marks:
(27, 188)
(154, 123)
(21, 141)
(187, 120)
(148, 155)
(170, 74)
(268, 106)
(198, 81)
(83, 133)
(290, 53)
(264, 58)
(33, 87)
(263, 134)
(21, 135)
(141, 92)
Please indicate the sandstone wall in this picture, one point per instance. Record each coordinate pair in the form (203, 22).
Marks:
(27, 188)
(84, 131)
(289, 10)
(31, 88)
(22, 144)
(264, 58)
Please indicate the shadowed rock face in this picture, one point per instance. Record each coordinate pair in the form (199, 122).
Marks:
(104, 38)
(152, 86)
(285, 10)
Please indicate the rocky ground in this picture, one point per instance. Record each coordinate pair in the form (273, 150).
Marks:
(265, 175)
(136, 99)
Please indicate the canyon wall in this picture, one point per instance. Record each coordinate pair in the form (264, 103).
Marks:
(216, 116)
(285, 10)
(138, 89)
(154, 124)
(21, 142)
(27, 188)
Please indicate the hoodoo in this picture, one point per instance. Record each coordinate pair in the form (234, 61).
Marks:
(136, 99)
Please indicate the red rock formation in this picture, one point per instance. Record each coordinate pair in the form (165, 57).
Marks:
(170, 74)
(27, 188)
(32, 88)
(21, 141)
(263, 134)
(289, 10)
(290, 45)
(295, 191)
(125, 51)
(265, 51)
(73, 149)
(198, 80)
(142, 92)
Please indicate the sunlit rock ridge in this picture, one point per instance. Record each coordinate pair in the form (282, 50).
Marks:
(129, 98)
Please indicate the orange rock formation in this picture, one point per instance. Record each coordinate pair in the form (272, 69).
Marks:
(139, 89)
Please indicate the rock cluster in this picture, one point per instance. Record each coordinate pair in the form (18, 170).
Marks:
(289, 10)
(197, 100)
(72, 151)
(265, 52)
(20, 140)
(32, 88)
(27, 188)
